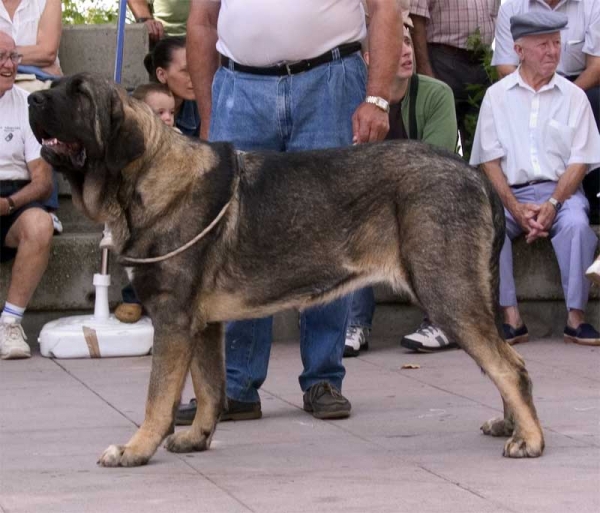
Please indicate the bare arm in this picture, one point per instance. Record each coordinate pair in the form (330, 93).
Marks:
(141, 9)
(419, 35)
(385, 44)
(38, 189)
(203, 58)
(591, 75)
(504, 70)
(43, 53)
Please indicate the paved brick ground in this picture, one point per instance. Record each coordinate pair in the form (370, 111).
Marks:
(412, 443)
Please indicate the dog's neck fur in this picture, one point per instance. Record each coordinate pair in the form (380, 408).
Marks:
(176, 174)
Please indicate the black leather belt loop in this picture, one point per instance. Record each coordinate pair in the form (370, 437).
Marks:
(527, 184)
(338, 52)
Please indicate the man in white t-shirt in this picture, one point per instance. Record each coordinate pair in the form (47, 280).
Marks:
(536, 139)
(289, 76)
(25, 226)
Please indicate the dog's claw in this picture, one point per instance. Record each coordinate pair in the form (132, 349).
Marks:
(498, 427)
(182, 441)
(517, 447)
(121, 456)
(111, 457)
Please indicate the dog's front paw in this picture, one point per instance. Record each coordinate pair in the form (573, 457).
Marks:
(498, 427)
(518, 447)
(187, 441)
(121, 456)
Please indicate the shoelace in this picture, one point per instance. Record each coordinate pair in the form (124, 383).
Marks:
(355, 337)
(324, 388)
(14, 333)
(427, 329)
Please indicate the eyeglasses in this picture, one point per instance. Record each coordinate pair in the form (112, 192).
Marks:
(14, 57)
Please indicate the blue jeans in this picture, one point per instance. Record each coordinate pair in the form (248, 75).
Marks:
(362, 308)
(309, 110)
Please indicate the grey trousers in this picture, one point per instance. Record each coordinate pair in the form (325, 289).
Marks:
(573, 240)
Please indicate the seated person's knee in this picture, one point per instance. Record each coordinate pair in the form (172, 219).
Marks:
(35, 227)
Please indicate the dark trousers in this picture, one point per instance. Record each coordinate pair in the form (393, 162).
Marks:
(591, 183)
(459, 68)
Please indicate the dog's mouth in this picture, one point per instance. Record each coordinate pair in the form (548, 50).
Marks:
(54, 147)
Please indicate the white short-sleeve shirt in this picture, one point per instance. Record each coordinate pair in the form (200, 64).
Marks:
(535, 134)
(581, 35)
(266, 32)
(18, 145)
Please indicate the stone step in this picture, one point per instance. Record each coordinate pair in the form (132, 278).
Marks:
(67, 283)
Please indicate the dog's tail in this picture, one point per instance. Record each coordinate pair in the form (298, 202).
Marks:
(499, 227)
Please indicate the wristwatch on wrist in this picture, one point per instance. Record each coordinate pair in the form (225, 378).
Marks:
(555, 203)
(11, 205)
(142, 20)
(378, 101)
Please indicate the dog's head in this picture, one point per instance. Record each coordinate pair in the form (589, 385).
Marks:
(90, 131)
(81, 123)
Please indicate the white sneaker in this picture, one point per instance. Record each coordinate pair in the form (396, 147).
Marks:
(356, 339)
(593, 272)
(58, 227)
(427, 339)
(12, 341)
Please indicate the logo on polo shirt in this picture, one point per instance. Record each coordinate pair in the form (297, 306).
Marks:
(9, 137)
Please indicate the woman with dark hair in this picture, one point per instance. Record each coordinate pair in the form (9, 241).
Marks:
(167, 64)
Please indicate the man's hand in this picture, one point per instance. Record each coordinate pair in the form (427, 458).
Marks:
(369, 124)
(4, 206)
(155, 29)
(525, 214)
(543, 222)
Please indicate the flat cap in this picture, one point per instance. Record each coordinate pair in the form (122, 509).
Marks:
(537, 22)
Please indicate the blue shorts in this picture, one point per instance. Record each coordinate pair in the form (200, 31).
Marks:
(8, 188)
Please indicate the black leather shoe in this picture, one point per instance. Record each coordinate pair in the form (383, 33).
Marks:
(236, 410)
(584, 334)
(325, 401)
(515, 335)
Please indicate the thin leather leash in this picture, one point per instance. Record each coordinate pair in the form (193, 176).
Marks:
(203, 233)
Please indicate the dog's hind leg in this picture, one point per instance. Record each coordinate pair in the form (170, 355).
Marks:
(208, 376)
(507, 370)
(171, 356)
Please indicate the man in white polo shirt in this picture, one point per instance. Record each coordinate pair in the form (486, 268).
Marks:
(536, 139)
(25, 226)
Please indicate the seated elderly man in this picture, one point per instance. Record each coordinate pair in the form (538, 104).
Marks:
(536, 139)
(25, 226)
(579, 58)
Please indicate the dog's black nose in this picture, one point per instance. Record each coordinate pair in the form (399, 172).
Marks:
(36, 99)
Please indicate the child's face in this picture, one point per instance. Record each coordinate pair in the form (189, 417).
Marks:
(163, 106)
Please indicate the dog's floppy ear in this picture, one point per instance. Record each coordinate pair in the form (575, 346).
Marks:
(126, 140)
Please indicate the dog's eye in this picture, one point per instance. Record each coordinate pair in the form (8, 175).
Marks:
(75, 85)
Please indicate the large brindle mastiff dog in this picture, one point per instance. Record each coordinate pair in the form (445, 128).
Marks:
(277, 231)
